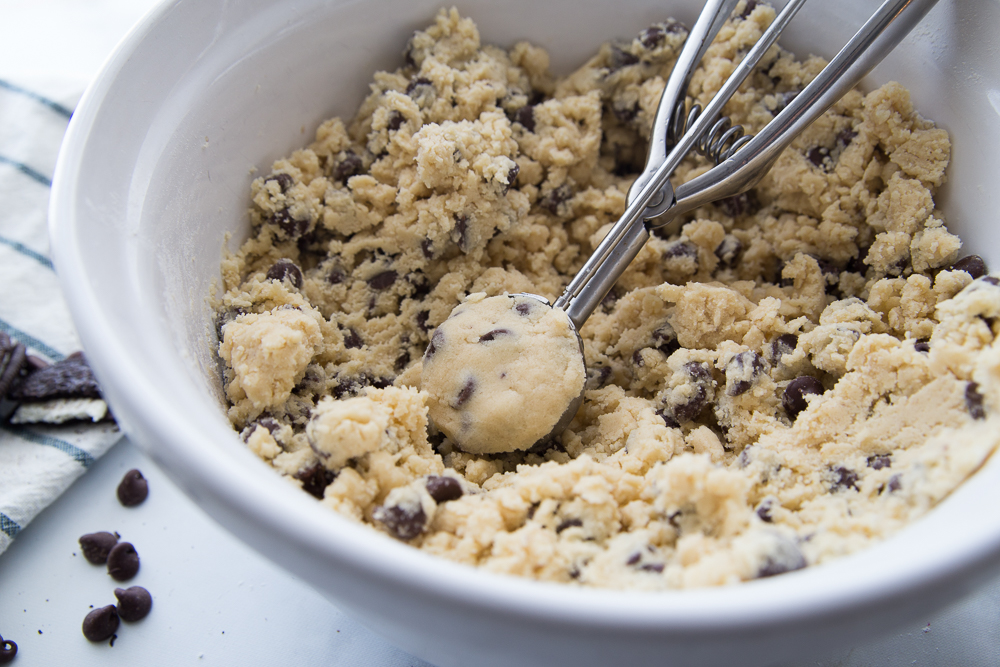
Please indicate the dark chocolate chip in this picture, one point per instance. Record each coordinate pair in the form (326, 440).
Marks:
(879, 461)
(817, 155)
(634, 559)
(133, 488)
(437, 340)
(894, 483)
(990, 280)
(336, 276)
(783, 100)
(744, 364)
(69, 378)
(443, 488)
(292, 227)
(667, 419)
(568, 523)
(395, 121)
(665, 340)
(748, 9)
(845, 137)
(637, 359)
(764, 511)
(382, 281)
(427, 247)
(681, 249)
(352, 340)
(421, 320)
(598, 376)
(460, 233)
(922, 345)
(553, 199)
(744, 203)
(284, 181)
(134, 603)
(101, 623)
(351, 165)
(789, 560)
(652, 36)
(285, 268)
(419, 82)
(511, 177)
(492, 335)
(973, 265)
(96, 546)
(402, 361)
(123, 561)
(8, 651)
(403, 523)
(620, 58)
(625, 113)
(526, 117)
(700, 372)
(846, 478)
(610, 299)
(523, 308)
(315, 479)
(974, 401)
(794, 398)
(729, 250)
(465, 394)
(782, 345)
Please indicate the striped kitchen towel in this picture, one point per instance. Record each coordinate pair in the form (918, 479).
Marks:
(36, 463)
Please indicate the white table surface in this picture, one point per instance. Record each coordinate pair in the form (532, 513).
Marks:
(215, 600)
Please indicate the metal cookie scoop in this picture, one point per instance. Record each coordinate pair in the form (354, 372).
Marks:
(741, 160)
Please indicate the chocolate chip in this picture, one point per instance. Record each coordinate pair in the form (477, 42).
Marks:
(96, 546)
(134, 603)
(284, 181)
(101, 623)
(680, 249)
(597, 376)
(846, 478)
(817, 155)
(554, 198)
(465, 394)
(402, 361)
(782, 345)
(443, 488)
(894, 483)
(922, 345)
(511, 177)
(395, 121)
(352, 340)
(794, 398)
(437, 340)
(492, 335)
(743, 369)
(336, 276)
(403, 523)
(764, 511)
(421, 320)
(973, 265)
(315, 479)
(990, 280)
(13, 358)
(418, 83)
(351, 165)
(123, 561)
(748, 9)
(459, 234)
(744, 203)
(665, 340)
(133, 488)
(788, 560)
(625, 113)
(651, 37)
(729, 250)
(879, 461)
(652, 567)
(668, 420)
(857, 264)
(284, 268)
(69, 378)
(382, 281)
(620, 58)
(8, 651)
(974, 401)
(783, 100)
(427, 247)
(845, 137)
(568, 523)
(523, 308)
(701, 375)
(526, 117)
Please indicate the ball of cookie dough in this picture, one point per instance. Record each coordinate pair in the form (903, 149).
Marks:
(501, 371)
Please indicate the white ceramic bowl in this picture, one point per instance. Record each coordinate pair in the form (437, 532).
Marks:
(155, 171)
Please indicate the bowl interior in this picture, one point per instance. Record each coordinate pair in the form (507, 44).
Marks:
(153, 185)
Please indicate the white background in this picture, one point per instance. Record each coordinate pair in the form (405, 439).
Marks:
(215, 601)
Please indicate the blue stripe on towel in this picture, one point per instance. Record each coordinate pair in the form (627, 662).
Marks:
(9, 526)
(78, 454)
(27, 252)
(31, 341)
(55, 106)
(27, 171)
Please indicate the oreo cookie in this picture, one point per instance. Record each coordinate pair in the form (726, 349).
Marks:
(63, 392)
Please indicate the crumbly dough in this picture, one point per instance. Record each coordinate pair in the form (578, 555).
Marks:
(800, 372)
(500, 372)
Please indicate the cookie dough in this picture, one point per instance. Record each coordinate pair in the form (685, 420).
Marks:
(501, 371)
(800, 372)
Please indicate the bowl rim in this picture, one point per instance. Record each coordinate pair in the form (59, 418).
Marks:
(830, 590)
